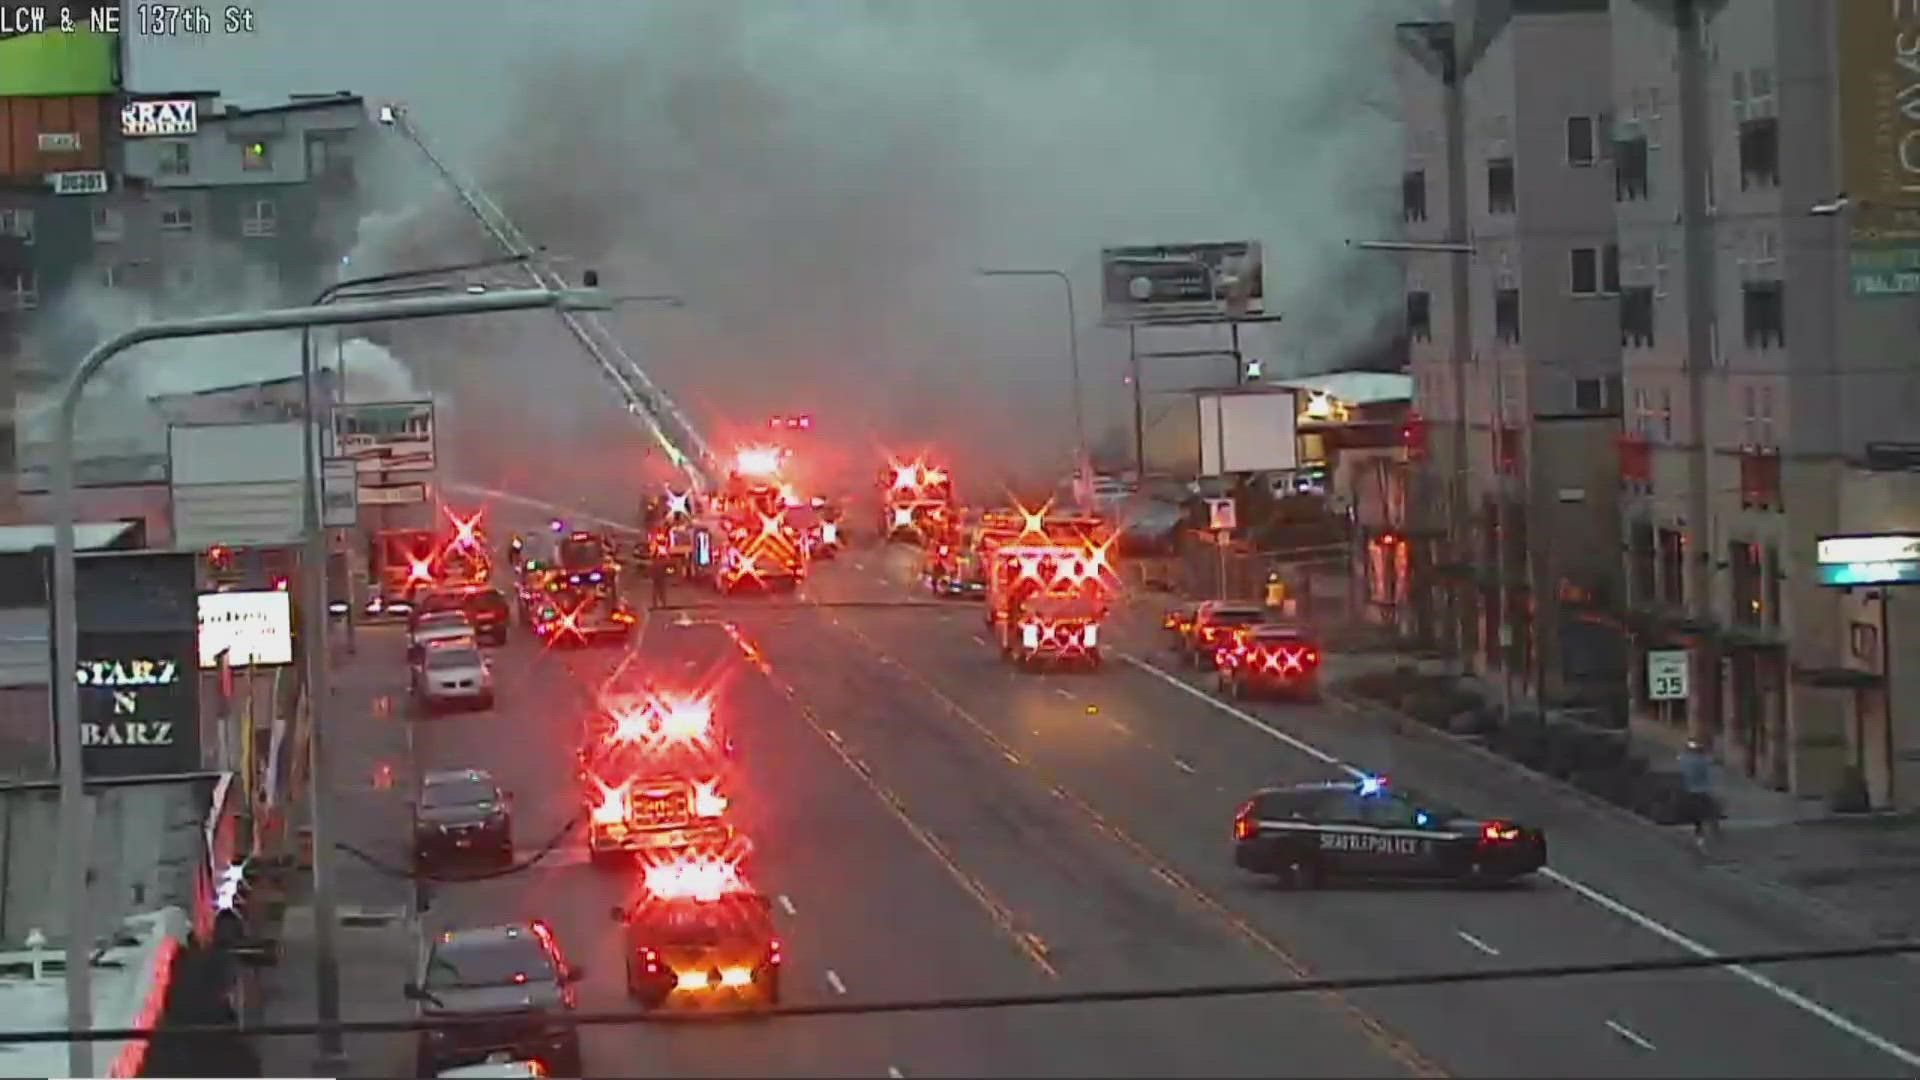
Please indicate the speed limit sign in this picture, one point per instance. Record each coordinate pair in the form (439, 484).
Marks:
(1667, 675)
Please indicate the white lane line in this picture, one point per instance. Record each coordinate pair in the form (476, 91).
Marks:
(894, 1071)
(786, 905)
(1181, 764)
(833, 980)
(1587, 892)
(1063, 692)
(978, 640)
(1476, 943)
(1630, 1035)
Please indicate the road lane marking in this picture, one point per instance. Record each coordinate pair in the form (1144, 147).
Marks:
(1477, 943)
(894, 1072)
(1181, 764)
(1391, 1043)
(1630, 1035)
(1063, 692)
(1031, 945)
(1584, 891)
(978, 640)
(786, 905)
(833, 980)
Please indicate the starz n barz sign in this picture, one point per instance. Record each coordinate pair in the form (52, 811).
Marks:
(139, 712)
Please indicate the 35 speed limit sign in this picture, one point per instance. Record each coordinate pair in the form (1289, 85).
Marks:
(1667, 675)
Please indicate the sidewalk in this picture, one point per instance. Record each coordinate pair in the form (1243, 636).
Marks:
(376, 940)
(1860, 872)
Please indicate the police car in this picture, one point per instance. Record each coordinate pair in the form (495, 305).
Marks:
(1309, 833)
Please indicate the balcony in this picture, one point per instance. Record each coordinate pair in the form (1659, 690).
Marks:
(1636, 463)
(1760, 479)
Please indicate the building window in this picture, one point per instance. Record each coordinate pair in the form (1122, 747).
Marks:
(1630, 172)
(1589, 395)
(1770, 587)
(113, 275)
(1642, 412)
(1636, 318)
(1583, 271)
(260, 217)
(1743, 564)
(109, 224)
(1583, 141)
(1610, 270)
(176, 158)
(328, 155)
(18, 223)
(1500, 186)
(1672, 547)
(1760, 153)
(25, 292)
(1413, 195)
(176, 217)
(1760, 479)
(1506, 315)
(256, 157)
(1764, 307)
(1643, 560)
(1420, 316)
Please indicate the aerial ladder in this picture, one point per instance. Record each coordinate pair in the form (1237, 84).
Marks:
(682, 442)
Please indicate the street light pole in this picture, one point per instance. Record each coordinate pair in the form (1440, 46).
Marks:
(76, 843)
(1081, 481)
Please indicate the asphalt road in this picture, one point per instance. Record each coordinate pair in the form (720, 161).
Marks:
(936, 824)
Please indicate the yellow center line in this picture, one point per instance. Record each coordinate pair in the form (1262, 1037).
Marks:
(1395, 1045)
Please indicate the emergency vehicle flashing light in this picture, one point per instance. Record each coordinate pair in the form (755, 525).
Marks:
(707, 800)
(906, 477)
(757, 461)
(902, 517)
(829, 533)
(466, 531)
(420, 569)
(1372, 785)
(697, 877)
(680, 503)
(666, 718)
(611, 808)
(1496, 831)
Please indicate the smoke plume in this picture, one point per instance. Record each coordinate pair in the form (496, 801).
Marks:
(819, 181)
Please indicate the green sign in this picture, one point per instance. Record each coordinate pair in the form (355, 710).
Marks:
(56, 63)
(1884, 271)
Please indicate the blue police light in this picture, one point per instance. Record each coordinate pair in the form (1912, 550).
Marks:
(557, 525)
(595, 576)
(1372, 785)
(1421, 818)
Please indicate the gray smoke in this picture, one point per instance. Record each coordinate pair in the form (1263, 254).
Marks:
(820, 179)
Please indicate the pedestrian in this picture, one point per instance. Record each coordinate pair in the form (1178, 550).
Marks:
(1696, 778)
(657, 570)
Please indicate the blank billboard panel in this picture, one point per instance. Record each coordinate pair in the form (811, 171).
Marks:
(1248, 433)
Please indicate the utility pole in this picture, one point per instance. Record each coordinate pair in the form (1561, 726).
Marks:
(1139, 405)
(1500, 539)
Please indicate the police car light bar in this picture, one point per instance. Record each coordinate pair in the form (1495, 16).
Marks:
(1372, 785)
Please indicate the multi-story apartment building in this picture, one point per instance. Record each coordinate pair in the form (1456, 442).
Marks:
(1761, 362)
(1515, 350)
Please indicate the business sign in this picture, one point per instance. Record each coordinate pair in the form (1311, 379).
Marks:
(139, 704)
(395, 495)
(87, 182)
(339, 494)
(249, 627)
(1884, 271)
(1182, 281)
(1221, 514)
(1886, 559)
(1667, 675)
(58, 142)
(177, 117)
(1879, 128)
(389, 436)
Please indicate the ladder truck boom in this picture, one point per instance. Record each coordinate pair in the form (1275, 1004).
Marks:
(683, 444)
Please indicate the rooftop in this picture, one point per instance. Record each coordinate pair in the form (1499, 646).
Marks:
(1355, 387)
(129, 989)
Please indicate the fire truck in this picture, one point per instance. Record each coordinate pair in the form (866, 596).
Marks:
(744, 539)
(916, 501)
(652, 771)
(1048, 590)
(401, 562)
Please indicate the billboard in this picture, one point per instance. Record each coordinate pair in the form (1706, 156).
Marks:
(385, 436)
(137, 668)
(1176, 281)
(60, 64)
(250, 627)
(236, 484)
(1248, 432)
(1879, 133)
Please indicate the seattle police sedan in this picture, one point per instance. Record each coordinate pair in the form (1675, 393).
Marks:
(1309, 833)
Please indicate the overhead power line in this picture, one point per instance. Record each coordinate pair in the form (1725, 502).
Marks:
(1342, 984)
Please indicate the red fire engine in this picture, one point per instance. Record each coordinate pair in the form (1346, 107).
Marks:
(1049, 586)
(916, 501)
(652, 772)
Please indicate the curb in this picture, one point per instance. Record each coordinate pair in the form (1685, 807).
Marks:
(1836, 916)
